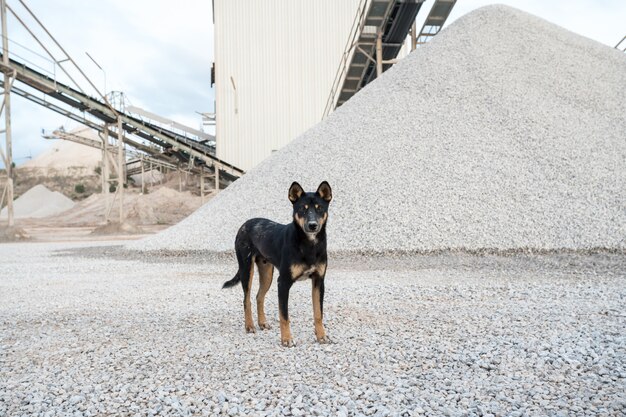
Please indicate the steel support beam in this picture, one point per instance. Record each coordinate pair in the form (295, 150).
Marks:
(379, 54)
(8, 154)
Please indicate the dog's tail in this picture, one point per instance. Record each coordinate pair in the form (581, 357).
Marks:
(231, 283)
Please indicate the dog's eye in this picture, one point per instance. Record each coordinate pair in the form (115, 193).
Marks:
(306, 206)
(317, 206)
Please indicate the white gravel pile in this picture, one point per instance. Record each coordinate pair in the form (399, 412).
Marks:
(39, 202)
(504, 132)
(433, 335)
(69, 157)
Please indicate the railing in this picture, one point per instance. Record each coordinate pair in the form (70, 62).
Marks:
(623, 45)
(357, 27)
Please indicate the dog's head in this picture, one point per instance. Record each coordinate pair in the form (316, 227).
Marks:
(310, 210)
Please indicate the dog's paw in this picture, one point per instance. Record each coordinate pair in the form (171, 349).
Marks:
(324, 340)
(250, 329)
(264, 326)
(288, 343)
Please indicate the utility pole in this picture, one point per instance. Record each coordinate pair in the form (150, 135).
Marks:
(8, 158)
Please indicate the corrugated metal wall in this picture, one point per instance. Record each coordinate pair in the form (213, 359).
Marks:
(275, 61)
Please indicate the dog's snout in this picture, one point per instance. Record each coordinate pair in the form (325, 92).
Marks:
(312, 226)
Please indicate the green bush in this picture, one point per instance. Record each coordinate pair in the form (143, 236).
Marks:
(79, 188)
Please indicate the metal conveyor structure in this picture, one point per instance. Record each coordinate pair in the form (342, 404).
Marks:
(183, 147)
(435, 20)
(377, 35)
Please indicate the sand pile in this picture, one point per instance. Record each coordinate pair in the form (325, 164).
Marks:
(69, 158)
(39, 202)
(504, 132)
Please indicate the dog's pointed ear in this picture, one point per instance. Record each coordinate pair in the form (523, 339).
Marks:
(324, 191)
(295, 192)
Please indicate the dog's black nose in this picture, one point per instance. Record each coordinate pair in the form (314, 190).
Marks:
(312, 227)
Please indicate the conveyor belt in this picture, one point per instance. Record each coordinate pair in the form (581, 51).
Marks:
(435, 20)
(393, 19)
(179, 145)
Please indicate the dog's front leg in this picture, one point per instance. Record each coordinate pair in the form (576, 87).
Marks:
(318, 308)
(284, 284)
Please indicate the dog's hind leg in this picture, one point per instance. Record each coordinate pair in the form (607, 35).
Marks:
(246, 271)
(266, 272)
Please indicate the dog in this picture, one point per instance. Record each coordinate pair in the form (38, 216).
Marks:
(297, 250)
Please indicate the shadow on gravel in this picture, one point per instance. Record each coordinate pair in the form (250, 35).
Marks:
(595, 260)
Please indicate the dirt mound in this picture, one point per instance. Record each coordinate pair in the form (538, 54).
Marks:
(13, 234)
(161, 206)
(117, 229)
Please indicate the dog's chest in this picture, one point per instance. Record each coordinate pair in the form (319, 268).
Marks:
(307, 274)
(301, 272)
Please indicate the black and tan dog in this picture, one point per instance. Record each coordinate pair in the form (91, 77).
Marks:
(297, 249)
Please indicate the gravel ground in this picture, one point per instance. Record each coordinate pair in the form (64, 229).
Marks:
(85, 330)
(504, 132)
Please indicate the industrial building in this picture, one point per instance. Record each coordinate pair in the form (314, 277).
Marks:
(281, 66)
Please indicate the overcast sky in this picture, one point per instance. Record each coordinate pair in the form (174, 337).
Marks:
(160, 55)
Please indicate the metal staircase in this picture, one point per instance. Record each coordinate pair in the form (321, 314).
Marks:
(435, 20)
(387, 20)
(378, 33)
